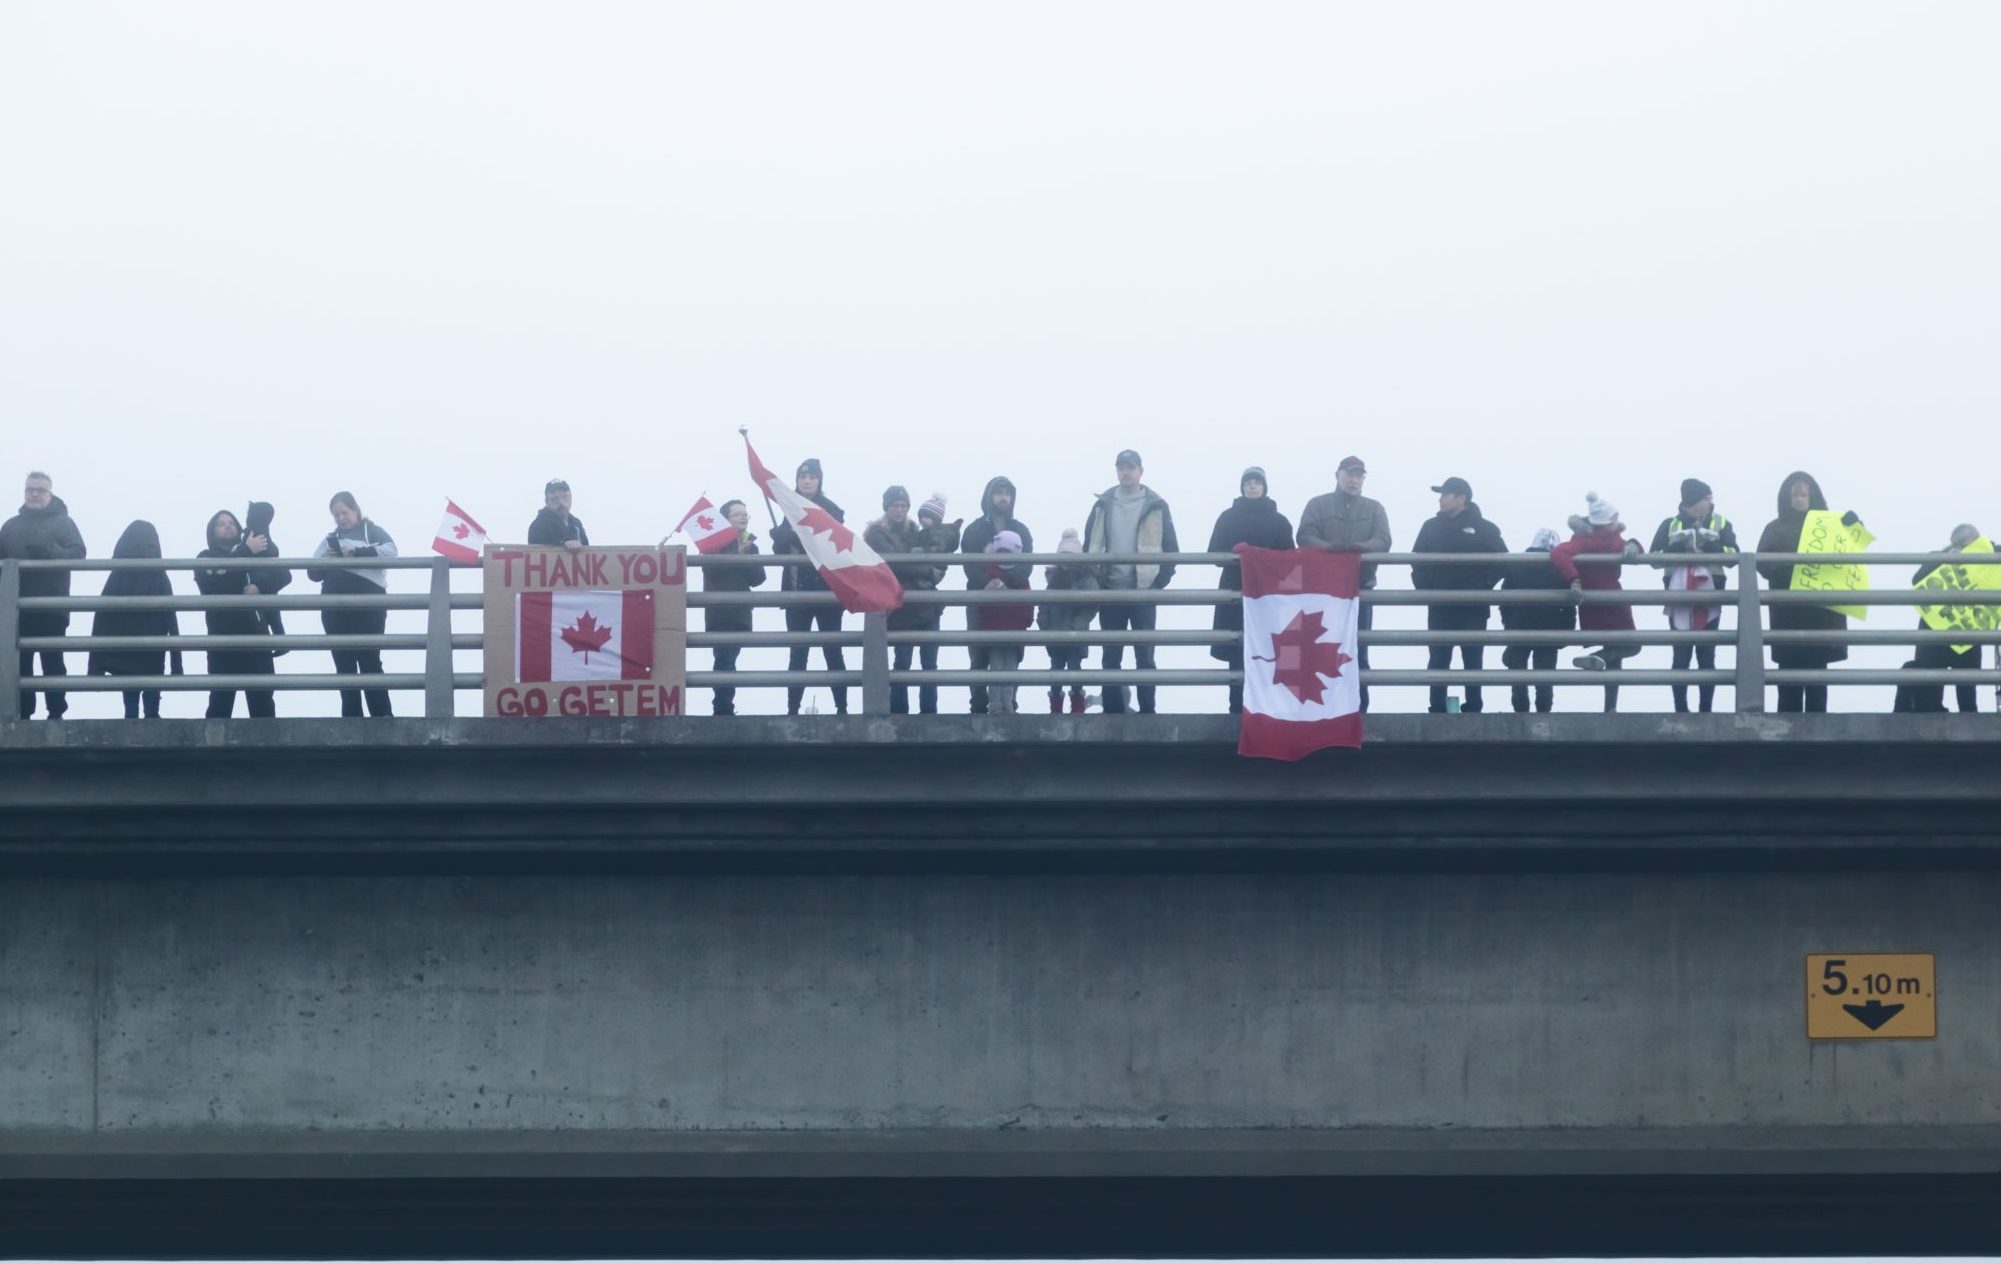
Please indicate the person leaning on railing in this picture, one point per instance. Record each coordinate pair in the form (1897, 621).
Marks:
(226, 539)
(1598, 532)
(42, 530)
(355, 536)
(1346, 521)
(141, 541)
(1799, 495)
(1253, 519)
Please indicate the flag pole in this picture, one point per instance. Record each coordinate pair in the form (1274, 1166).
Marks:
(768, 510)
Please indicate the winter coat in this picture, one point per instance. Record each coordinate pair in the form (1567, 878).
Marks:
(1586, 538)
(1003, 618)
(1536, 576)
(1346, 524)
(1254, 522)
(731, 579)
(981, 533)
(233, 581)
(1155, 535)
(553, 530)
(368, 540)
(1782, 535)
(1466, 532)
(36, 535)
(885, 537)
(1066, 617)
(785, 540)
(141, 540)
(1712, 535)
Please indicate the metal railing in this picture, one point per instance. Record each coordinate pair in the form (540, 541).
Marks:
(438, 642)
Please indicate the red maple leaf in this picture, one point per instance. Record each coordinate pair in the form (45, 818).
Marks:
(585, 635)
(820, 522)
(705, 522)
(1300, 658)
(460, 530)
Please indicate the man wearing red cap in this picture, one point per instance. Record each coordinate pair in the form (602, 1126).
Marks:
(1346, 521)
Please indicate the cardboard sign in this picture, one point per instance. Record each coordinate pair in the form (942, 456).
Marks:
(592, 632)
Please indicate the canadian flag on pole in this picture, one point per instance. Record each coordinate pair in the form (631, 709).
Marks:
(583, 634)
(459, 537)
(710, 531)
(1302, 687)
(853, 571)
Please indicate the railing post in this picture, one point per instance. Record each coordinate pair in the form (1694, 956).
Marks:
(875, 663)
(10, 639)
(1750, 638)
(438, 697)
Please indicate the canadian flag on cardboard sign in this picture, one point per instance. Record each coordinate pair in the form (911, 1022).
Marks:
(1302, 685)
(583, 634)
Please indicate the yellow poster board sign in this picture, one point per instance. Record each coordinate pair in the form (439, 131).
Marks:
(1823, 532)
(1959, 577)
(1871, 996)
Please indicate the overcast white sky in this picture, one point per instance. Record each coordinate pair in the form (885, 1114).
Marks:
(420, 250)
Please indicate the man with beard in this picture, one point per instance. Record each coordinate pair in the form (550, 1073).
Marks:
(806, 579)
(42, 530)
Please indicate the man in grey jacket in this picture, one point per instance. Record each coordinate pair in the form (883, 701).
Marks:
(1346, 521)
(1129, 517)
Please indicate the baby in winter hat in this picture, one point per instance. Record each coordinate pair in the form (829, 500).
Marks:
(1006, 542)
(1070, 543)
(934, 508)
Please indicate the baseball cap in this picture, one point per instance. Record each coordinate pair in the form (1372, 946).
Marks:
(1457, 486)
(553, 486)
(1352, 463)
(1129, 457)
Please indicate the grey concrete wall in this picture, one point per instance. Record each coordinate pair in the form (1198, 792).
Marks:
(453, 1006)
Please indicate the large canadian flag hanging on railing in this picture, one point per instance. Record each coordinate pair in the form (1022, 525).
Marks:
(1302, 687)
(854, 572)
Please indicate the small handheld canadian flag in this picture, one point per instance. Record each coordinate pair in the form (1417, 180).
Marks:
(459, 537)
(710, 531)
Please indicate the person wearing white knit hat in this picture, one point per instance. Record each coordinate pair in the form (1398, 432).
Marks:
(1599, 532)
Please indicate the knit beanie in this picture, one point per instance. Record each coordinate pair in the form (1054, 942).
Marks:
(1543, 541)
(1006, 542)
(895, 496)
(1600, 513)
(1692, 490)
(1069, 543)
(935, 506)
(1254, 472)
(811, 465)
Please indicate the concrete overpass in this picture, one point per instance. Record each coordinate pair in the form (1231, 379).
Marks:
(1093, 985)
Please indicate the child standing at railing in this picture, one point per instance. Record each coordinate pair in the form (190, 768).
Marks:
(1599, 531)
(1067, 617)
(1003, 618)
(141, 540)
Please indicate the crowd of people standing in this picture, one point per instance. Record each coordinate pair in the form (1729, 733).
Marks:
(1128, 519)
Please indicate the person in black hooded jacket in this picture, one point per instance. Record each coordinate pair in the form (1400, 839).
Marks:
(141, 540)
(555, 527)
(1798, 496)
(1253, 519)
(226, 538)
(42, 531)
(807, 481)
(996, 516)
(739, 579)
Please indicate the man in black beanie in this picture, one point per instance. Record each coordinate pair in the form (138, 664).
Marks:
(806, 579)
(1695, 528)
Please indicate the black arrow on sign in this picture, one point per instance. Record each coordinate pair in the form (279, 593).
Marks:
(1874, 1014)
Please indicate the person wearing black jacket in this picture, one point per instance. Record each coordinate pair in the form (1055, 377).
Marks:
(227, 539)
(1457, 528)
(1695, 528)
(555, 527)
(1799, 495)
(1537, 616)
(354, 536)
(739, 579)
(41, 531)
(1252, 519)
(784, 540)
(141, 540)
(897, 532)
(996, 516)
(1935, 657)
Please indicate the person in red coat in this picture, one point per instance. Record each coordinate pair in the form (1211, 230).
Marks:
(1599, 531)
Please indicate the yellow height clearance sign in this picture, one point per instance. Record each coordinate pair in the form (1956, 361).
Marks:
(1823, 532)
(1960, 577)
